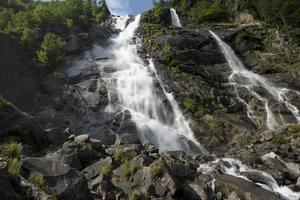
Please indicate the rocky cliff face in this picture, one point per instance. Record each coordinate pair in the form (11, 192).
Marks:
(70, 149)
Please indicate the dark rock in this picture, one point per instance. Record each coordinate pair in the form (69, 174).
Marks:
(94, 170)
(226, 184)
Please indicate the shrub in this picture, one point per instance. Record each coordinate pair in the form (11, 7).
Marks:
(12, 150)
(128, 171)
(39, 181)
(136, 196)
(120, 157)
(189, 104)
(158, 168)
(105, 170)
(14, 167)
(280, 139)
(205, 11)
(52, 50)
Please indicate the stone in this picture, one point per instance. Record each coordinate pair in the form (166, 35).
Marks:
(94, 170)
(233, 196)
(81, 138)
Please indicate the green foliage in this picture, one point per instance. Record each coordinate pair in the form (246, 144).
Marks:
(5, 105)
(190, 104)
(136, 196)
(167, 52)
(280, 139)
(14, 167)
(218, 128)
(52, 50)
(11, 150)
(158, 168)
(121, 157)
(205, 11)
(105, 170)
(39, 181)
(128, 171)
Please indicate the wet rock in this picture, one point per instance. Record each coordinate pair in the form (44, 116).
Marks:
(244, 189)
(33, 192)
(81, 138)
(128, 138)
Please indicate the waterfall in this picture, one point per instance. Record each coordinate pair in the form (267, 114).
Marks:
(140, 92)
(241, 78)
(175, 18)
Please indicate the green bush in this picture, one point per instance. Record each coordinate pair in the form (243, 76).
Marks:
(158, 168)
(105, 170)
(190, 104)
(14, 167)
(205, 11)
(39, 181)
(280, 139)
(128, 171)
(120, 157)
(12, 150)
(52, 50)
(136, 196)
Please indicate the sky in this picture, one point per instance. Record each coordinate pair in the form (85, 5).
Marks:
(131, 7)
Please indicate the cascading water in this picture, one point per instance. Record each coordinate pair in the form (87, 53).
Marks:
(139, 92)
(241, 78)
(175, 18)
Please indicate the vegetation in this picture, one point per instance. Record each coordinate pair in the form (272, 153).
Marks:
(158, 168)
(136, 196)
(206, 11)
(121, 157)
(11, 152)
(292, 131)
(106, 169)
(39, 181)
(44, 27)
(128, 171)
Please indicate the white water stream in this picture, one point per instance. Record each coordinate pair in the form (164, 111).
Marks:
(243, 78)
(175, 18)
(139, 91)
(155, 111)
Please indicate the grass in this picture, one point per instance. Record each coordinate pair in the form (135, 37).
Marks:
(120, 157)
(280, 139)
(105, 170)
(136, 196)
(158, 168)
(39, 181)
(12, 150)
(128, 171)
(14, 167)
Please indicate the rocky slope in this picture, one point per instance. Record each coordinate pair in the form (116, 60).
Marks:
(70, 151)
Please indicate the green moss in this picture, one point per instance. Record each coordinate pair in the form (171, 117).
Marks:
(128, 171)
(105, 170)
(280, 139)
(158, 168)
(39, 181)
(218, 128)
(189, 104)
(14, 167)
(167, 52)
(5, 105)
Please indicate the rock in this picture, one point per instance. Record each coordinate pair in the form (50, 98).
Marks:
(7, 186)
(298, 181)
(81, 138)
(233, 196)
(33, 192)
(127, 138)
(94, 170)
(67, 183)
(244, 189)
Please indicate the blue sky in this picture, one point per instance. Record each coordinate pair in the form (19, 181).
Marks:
(131, 7)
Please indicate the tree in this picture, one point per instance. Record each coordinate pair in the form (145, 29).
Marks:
(52, 50)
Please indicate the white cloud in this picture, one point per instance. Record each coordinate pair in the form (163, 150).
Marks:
(118, 7)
